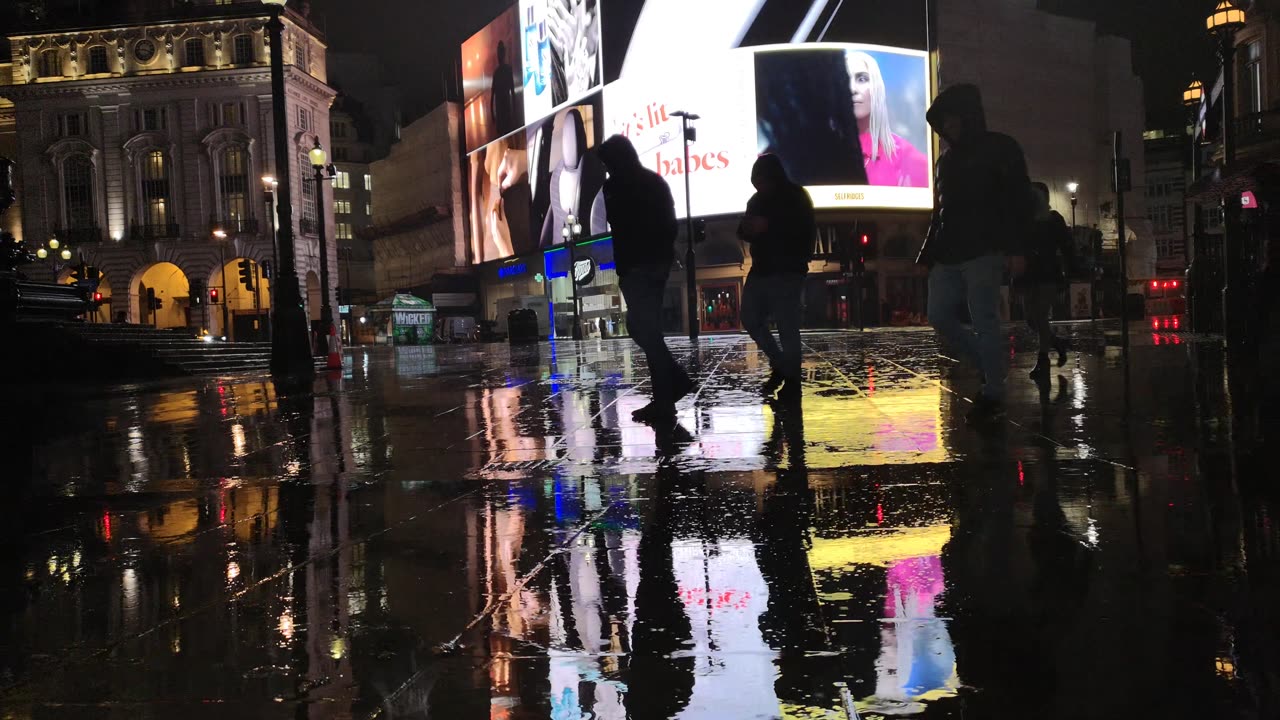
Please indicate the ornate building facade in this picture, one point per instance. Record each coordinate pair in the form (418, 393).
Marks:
(142, 144)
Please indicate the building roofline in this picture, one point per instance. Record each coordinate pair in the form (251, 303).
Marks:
(194, 13)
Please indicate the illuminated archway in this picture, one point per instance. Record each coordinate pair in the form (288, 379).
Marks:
(169, 286)
(245, 319)
(313, 296)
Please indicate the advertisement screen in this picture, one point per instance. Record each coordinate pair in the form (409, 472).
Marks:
(562, 53)
(492, 92)
(566, 177)
(500, 200)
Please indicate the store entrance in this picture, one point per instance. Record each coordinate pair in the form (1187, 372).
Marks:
(719, 308)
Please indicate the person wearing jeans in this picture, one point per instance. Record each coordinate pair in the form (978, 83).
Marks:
(642, 216)
(776, 295)
(974, 284)
(981, 219)
(779, 224)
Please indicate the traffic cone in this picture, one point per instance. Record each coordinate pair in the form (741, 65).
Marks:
(335, 350)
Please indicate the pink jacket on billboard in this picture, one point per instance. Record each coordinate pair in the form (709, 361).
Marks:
(904, 167)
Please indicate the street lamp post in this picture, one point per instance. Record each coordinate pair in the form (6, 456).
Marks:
(323, 171)
(1193, 247)
(689, 134)
(1222, 24)
(269, 186)
(221, 235)
(1072, 187)
(290, 343)
(571, 231)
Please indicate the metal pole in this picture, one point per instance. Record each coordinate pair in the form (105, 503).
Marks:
(290, 343)
(576, 334)
(1120, 230)
(690, 260)
(226, 299)
(326, 307)
(1226, 51)
(257, 295)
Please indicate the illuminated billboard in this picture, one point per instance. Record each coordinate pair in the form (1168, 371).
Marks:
(491, 89)
(846, 119)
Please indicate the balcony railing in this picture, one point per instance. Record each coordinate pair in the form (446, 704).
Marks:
(80, 236)
(1258, 127)
(234, 226)
(307, 226)
(169, 231)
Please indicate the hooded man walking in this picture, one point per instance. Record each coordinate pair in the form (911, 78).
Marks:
(780, 226)
(642, 216)
(981, 217)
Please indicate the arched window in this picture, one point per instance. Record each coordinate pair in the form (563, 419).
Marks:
(195, 52)
(156, 211)
(98, 60)
(242, 50)
(50, 64)
(77, 193)
(233, 181)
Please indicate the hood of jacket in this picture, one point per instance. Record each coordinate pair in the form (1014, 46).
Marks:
(963, 102)
(768, 170)
(619, 156)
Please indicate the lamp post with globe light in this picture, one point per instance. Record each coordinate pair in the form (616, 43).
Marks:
(290, 338)
(571, 231)
(323, 171)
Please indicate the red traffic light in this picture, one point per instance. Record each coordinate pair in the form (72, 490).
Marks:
(213, 295)
(97, 297)
(866, 239)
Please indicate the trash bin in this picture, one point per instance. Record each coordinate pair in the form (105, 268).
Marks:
(522, 326)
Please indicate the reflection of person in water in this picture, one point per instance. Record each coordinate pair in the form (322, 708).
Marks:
(575, 184)
(503, 100)
(889, 159)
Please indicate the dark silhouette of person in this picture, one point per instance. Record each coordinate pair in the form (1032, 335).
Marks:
(642, 214)
(981, 217)
(503, 91)
(660, 684)
(1050, 250)
(780, 226)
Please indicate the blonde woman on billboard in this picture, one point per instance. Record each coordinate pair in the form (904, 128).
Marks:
(889, 158)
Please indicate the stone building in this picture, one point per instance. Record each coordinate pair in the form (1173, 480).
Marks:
(142, 133)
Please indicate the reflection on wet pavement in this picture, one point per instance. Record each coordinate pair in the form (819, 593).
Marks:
(482, 532)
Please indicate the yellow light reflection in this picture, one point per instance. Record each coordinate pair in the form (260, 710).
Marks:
(880, 549)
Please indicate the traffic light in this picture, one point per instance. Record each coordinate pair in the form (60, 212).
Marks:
(97, 298)
(197, 293)
(214, 297)
(246, 274)
(868, 243)
(266, 269)
(153, 302)
(699, 231)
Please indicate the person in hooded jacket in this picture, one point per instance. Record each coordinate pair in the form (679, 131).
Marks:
(642, 216)
(981, 218)
(1049, 247)
(780, 227)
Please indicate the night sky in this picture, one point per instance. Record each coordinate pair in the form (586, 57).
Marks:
(418, 41)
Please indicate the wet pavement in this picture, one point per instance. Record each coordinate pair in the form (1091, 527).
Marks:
(482, 532)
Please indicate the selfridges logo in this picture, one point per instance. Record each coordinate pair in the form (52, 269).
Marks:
(654, 121)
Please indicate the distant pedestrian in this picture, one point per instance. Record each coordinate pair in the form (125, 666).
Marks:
(1049, 252)
(981, 216)
(642, 215)
(780, 227)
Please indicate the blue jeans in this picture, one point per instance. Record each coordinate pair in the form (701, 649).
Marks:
(780, 297)
(975, 283)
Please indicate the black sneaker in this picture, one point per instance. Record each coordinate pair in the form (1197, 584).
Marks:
(771, 385)
(655, 413)
(985, 411)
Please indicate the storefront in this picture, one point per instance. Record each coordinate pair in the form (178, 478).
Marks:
(589, 265)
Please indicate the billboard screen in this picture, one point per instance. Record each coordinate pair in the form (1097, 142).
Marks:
(492, 93)
(847, 119)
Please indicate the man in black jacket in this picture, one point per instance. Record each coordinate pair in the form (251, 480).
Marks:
(1049, 247)
(780, 226)
(981, 217)
(642, 217)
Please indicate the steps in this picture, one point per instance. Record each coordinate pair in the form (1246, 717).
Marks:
(140, 351)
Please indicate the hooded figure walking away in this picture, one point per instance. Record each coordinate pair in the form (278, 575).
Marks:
(1049, 247)
(981, 217)
(780, 226)
(642, 215)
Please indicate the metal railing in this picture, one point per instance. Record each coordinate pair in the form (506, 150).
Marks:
(307, 226)
(234, 226)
